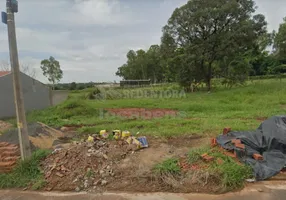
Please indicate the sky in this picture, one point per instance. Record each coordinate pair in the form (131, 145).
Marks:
(90, 38)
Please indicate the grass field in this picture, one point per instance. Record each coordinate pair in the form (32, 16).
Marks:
(241, 108)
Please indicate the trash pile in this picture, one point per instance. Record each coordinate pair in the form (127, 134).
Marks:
(263, 149)
(90, 164)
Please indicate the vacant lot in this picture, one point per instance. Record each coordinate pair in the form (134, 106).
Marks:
(200, 113)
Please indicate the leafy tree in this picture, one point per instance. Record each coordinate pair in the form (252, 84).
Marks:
(143, 65)
(280, 42)
(52, 70)
(208, 31)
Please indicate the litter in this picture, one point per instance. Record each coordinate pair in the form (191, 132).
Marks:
(263, 149)
(104, 134)
(126, 134)
(143, 141)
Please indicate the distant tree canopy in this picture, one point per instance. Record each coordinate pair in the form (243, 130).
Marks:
(204, 39)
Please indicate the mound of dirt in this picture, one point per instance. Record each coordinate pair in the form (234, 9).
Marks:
(142, 113)
(116, 166)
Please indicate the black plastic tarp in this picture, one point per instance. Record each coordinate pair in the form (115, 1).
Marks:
(269, 140)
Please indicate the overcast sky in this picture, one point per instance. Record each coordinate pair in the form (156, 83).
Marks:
(90, 38)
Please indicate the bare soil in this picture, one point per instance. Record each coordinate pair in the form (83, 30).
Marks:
(142, 113)
(107, 165)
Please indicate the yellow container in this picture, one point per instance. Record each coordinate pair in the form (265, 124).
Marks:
(125, 134)
(116, 134)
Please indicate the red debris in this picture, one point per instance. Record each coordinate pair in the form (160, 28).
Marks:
(226, 130)
(236, 141)
(240, 146)
(213, 142)
(257, 156)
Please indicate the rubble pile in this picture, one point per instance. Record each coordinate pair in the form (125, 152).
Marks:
(87, 165)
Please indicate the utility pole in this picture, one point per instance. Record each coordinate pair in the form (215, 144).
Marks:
(12, 6)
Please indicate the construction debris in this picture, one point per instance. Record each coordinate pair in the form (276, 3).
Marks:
(262, 149)
(88, 164)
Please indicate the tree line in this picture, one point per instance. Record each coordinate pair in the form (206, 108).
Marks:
(211, 39)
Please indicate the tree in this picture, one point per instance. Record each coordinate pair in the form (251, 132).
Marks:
(52, 70)
(143, 65)
(280, 42)
(73, 86)
(208, 31)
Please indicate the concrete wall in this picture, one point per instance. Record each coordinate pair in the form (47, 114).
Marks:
(36, 95)
(59, 96)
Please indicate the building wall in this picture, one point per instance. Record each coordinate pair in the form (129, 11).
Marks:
(36, 95)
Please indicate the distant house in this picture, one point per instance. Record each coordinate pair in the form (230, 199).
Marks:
(36, 94)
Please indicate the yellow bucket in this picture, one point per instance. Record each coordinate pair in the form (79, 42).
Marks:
(126, 134)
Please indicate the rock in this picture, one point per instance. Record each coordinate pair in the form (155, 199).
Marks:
(77, 189)
(100, 143)
(104, 182)
(101, 172)
(64, 129)
(86, 184)
(260, 190)
(75, 180)
(59, 174)
(96, 182)
(105, 156)
(108, 167)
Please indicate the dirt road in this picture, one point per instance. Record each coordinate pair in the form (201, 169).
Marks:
(257, 192)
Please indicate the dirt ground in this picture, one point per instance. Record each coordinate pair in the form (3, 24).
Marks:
(142, 113)
(4, 126)
(109, 165)
(40, 135)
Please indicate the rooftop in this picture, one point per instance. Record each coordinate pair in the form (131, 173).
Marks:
(4, 73)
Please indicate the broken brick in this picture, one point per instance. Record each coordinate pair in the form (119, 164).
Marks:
(236, 141)
(240, 146)
(226, 130)
(208, 158)
(213, 142)
(257, 156)
(204, 155)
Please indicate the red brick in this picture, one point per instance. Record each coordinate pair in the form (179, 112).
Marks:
(230, 154)
(12, 158)
(9, 148)
(208, 158)
(240, 146)
(7, 164)
(257, 156)
(4, 144)
(213, 142)
(204, 155)
(226, 130)
(9, 153)
(236, 141)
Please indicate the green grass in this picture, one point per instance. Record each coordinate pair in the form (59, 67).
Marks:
(232, 174)
(200, 113)
(169, 166)
(26, 173)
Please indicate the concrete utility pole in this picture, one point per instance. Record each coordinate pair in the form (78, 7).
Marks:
(18, 94)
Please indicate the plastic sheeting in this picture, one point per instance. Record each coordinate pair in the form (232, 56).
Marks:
(269, 140)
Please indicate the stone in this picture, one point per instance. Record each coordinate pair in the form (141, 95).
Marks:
(77, 189)
(104, 182)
